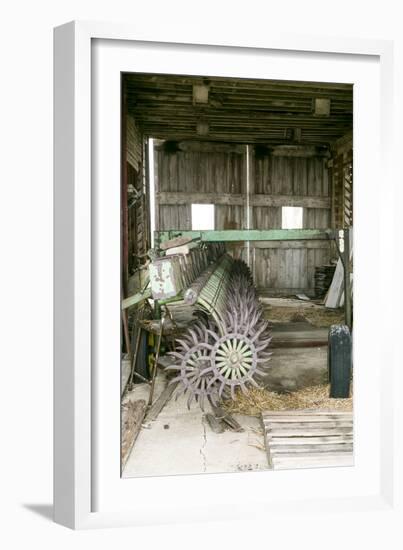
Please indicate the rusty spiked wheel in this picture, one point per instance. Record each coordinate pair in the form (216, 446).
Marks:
(192, 360)
(215, 357)
(234, 363)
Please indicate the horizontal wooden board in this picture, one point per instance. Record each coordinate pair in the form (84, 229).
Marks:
(315, 431)
(304, 421)
(193, 197)
(303, 439)
(310, 453)
(285, 463)
(335, 439)
(281, 449)
(304, 426)
(308, 413)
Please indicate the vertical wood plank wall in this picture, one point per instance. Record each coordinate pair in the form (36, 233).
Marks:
(289, 266)
(201, 172)
(277, 266)
(138, 217)
(341, 169)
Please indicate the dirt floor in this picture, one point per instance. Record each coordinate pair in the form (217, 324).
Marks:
(281, 310)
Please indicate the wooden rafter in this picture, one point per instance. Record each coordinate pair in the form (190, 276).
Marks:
(239, 110)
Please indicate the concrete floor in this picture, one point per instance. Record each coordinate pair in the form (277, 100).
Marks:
(180, 441)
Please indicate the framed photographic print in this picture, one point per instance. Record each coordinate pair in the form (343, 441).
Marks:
(215, 206)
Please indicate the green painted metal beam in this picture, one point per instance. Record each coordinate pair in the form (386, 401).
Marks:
(229, 235)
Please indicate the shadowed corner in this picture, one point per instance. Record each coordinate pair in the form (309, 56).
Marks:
(44, 510)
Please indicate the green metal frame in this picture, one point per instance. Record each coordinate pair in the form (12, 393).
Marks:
(229, 235)
(236, 235)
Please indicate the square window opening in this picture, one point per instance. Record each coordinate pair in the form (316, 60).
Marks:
(202, 217)
(291, 217)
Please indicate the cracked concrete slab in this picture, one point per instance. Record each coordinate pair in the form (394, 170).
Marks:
(180, 441)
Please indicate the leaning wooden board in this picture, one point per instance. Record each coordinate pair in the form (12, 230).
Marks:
(308, 439)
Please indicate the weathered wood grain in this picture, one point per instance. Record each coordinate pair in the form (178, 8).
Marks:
(132, 417)
(160, 403)
(334, 460)
(227, 418)
(217, 197)
(215, 424)
(219, 177)
(303, 439)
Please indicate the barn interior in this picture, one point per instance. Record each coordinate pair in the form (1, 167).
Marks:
(222, 174)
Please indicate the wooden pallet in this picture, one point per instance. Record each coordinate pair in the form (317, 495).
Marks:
(308, 439)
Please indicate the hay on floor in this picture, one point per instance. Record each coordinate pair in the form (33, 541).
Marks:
(258, 400)
(317, 317)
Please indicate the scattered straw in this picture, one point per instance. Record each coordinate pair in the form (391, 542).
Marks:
(258, 400)
(319, 317)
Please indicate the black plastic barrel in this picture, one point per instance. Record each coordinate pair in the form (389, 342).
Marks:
(339, 360)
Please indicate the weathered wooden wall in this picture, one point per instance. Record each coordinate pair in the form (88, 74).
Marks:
(209, 173)
(134, 140)
(186, 177)
(341, 170)
(137, 196)
(302, 181)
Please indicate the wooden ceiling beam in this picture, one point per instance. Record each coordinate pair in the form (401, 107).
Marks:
(232, 82)
(223, 96)
(239, 110)
(240, 115)
(244, 139)
(238, 132)
(271, 102)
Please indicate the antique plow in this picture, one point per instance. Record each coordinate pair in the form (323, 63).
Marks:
(227, 349)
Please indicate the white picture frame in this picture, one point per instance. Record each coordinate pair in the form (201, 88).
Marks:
(88, 491)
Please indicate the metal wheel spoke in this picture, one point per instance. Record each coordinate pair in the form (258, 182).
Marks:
(223, 349)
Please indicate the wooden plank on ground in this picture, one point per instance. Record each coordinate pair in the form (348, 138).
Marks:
(215, 424)
(278, 449)
(312, 432)
(325, 440)
(336, 287)
(304, 439)
(227, 418)
(321, 424)
(309, 462)
(309, 417)
(304, 412)
(160, 402)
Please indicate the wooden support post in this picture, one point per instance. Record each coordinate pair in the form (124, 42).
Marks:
(124, 196)
(126, 333)
(134, 359)
(157, 355)
(250, 190)
(147, 210)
